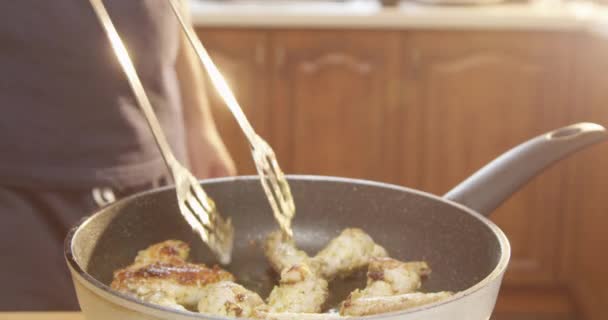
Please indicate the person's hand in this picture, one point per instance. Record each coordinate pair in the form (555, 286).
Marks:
(209, 157)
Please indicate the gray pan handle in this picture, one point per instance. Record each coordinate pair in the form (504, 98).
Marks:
(489, 187)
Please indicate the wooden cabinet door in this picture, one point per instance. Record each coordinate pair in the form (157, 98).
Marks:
(241, 56)
(333, 92)
(587, 183)
(467, 98)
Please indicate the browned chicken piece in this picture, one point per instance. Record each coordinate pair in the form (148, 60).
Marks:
(376, 305)
(391, 286)
(299, 291)
(170, 251)
(351, 250)
(282, 253)
(229, 299)
(161, 275)
(387, 277)
(298, 316)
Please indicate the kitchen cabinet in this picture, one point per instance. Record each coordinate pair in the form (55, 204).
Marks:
(423, 109)
(468, 97)
(426, 109)
(242, 57)
(333, 94)
(587, 183)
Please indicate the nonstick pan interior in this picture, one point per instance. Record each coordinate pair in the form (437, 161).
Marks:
(462, 248)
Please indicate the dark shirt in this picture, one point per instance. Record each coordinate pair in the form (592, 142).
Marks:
(67, 114)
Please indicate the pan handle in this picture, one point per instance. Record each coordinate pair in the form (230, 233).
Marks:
(489, 187)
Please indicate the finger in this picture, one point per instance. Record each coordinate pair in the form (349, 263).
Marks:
(221, 170)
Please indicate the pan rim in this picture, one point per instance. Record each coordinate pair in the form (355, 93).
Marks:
(135, 304)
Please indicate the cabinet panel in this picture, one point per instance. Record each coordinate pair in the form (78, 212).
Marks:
(333, 94)
(470, 96)
(242, 58)
(587, 184)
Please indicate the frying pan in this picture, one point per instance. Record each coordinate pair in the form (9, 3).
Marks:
(467, 252)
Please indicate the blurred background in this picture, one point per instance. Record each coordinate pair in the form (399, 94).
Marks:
(422, 94)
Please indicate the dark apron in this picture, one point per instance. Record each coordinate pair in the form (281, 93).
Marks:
(69, 124)
(33, 273)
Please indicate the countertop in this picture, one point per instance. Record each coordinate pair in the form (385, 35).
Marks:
(41, 316)
(534, 15)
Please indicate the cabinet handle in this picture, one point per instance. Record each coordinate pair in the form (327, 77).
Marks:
(280, 56)
(260, 53)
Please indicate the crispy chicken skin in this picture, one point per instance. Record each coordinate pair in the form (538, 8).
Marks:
(391, 286)
(229, 299)
(351, 250)
(161, 275)
(300, 291)
(169, 251)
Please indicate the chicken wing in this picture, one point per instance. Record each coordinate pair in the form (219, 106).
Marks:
(299, 291)
(161, 275)
(229, 299)
(375, 305)
(282, 252)
(390, 287)
(351, 250)
(387, 277)
(170, 251)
